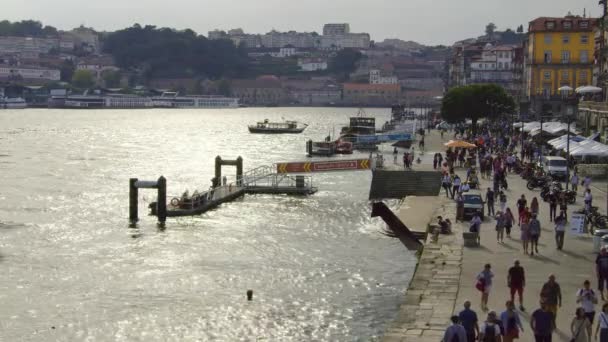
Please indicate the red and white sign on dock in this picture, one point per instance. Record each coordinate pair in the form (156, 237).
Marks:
(323, 166)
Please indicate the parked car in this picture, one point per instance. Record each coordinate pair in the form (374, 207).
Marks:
(473, 203)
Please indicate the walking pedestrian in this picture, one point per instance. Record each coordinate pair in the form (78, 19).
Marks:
(587, 182)
(455, 185)
(542, 324)
(490, 330)
(534, 229)
(534, 206)
(455, 332)
(587, 299)
(490, 201)
(563, 205)
(560, 231)
(602, 324)
(446, 183)
(580, 327)
(406, 160)
(502, 198)
(525, 229)
(552, 205)
(435, 162)
(484, 278)
(551, 295)
(601, 269)
(574, 181)
(511, 324)
(521, 205)
(509, 220)
(460, 208)
(468, 319)
(516, 281)
(395, 155)
(588, 200)
(500, 227)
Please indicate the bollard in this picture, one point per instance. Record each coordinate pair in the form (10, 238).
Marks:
(133, 194)
(161, 202)
(249, 295)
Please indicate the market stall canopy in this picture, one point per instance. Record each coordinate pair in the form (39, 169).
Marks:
(565, 88)
(459, 143)
(588, 90)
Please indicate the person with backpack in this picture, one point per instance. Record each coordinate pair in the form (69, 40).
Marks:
(490, 330)
(587, 299)
(534, 229)
(509, 220)
(455, 332)
(511, 324)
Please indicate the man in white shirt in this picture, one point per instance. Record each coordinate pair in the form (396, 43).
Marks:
(560, 230)
(464, 187)
(587, 298)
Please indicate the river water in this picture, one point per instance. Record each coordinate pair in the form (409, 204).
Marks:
(73, 271)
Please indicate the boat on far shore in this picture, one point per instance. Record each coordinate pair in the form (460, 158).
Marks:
(267, 127)
(12, 103)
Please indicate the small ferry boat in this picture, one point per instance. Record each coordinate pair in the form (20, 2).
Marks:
(12, 103)
(268, 127)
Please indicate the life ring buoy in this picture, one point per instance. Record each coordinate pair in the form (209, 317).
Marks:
(175, 201)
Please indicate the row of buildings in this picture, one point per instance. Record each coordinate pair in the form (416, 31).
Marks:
(334, 37)
(555, 57)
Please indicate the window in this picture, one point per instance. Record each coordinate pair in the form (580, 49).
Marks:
(584, 39)
(565, 75)
(566, 38)
(567, 25)
(548, 38)
(565, 57)
(499, 65)
(550, 25)
(584, 56)
(547, 57)
(583, 77)
(583, 24)
(547, 75)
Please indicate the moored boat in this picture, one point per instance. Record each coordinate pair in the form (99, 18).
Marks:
(268, 127)
(12, 103)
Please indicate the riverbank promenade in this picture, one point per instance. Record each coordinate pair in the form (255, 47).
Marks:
(427, 317)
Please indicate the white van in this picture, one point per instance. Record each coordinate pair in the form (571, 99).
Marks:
(557, 167)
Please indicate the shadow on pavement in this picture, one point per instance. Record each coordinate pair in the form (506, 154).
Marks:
(577, 256)
(545, 259)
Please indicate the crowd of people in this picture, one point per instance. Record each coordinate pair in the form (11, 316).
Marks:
(493, 158)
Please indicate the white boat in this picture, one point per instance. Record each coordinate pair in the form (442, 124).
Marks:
(12, 103)
(173, 100)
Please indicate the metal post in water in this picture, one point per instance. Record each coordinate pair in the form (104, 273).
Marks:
(133, 194)
(249, 295)
(161, 202)
(218, 172)
(239, 171)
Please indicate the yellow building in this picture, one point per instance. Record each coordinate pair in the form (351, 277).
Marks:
(559, 52)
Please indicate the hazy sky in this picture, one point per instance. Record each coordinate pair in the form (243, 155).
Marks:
(425, 21)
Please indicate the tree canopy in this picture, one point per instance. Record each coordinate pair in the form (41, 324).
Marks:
(163, 52)
(475, 102)
(83, 79)
(345, 61)
(29, 28)
(490, 28)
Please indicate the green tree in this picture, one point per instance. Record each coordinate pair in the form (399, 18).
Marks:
(67, 69)
(475, 102)
(520, 29)
(345, 61)
(83, 79)
(490, 28)
(111, 78)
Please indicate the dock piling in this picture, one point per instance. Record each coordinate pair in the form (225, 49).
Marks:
(133, 195)
(161, 202)
(249, 295)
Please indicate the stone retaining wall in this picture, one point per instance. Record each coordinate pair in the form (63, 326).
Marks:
(431, 295)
